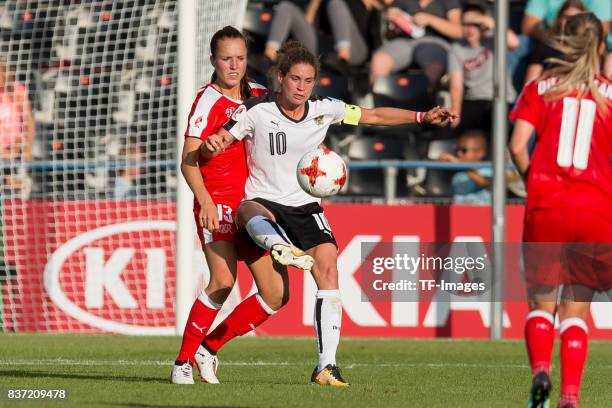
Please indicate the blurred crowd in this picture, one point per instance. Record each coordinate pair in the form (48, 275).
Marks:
(417, 54)
(95, 82)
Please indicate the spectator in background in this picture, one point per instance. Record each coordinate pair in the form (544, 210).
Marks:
(607, 71)
(17, 131)
(470, 67)
(542, 50)
(350, 21)
(515, 56)
(290, 17)
(126, 184)
(540, 14)
(471, 186)
(426, 27)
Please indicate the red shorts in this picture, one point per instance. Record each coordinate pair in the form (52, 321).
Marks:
(228, 232)
(567, 247)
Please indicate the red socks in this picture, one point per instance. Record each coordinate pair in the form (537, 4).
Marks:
(249, 314)
(574, 346)
(201, 317)
(539, 339)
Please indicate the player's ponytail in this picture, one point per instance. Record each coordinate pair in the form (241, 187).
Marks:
(294, 52)
(230, 32)
(580, 44)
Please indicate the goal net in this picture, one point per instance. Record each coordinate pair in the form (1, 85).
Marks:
(88, 133)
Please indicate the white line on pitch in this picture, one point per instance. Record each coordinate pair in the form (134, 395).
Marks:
(72, 362)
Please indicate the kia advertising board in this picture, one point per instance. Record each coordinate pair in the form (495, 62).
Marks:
(116, 272)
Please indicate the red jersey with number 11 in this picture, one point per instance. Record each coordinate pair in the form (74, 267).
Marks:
(571, 166)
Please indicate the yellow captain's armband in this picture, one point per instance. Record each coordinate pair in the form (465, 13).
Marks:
(352, 114)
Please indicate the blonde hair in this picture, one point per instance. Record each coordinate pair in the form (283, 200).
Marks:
(579, 43)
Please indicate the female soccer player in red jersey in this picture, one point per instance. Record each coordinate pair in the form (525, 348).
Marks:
(218, 187)
(569, 201)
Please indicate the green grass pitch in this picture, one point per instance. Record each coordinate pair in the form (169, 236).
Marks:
(118, 371)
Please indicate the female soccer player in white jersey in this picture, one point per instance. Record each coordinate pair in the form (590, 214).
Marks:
(277, 214)
(218, 187)
(569, 200)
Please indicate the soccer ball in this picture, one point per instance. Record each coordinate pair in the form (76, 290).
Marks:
(321, 172)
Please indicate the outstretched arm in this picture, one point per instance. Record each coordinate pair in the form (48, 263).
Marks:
(394, 116)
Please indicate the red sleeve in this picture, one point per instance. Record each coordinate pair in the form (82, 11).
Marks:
(203, 118)
(257, 89)
(528, 105)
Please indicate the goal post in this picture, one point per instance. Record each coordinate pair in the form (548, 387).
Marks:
(197, 22)
(186, 88)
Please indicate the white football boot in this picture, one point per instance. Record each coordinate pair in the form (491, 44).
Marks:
(207, 365)
(181, 374)
(291, 256)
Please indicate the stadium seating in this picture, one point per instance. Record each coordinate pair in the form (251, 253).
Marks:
(371, 182)
(402, 90)
(438, 182)
(333, 85)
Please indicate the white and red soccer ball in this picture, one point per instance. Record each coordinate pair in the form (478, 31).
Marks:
(321, 172)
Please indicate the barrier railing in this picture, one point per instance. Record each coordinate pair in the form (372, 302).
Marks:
(390, 167)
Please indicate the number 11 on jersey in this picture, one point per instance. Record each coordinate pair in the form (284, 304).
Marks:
(575, 141)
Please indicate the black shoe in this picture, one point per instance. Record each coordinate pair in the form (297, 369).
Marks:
(568, 401)
(540, 390)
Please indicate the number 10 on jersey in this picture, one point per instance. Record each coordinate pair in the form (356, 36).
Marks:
(278, 143)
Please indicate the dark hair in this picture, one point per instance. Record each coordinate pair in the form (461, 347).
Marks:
(478, 134)
(294, 52)
(475, 7)
(555, 28)
(222, 34)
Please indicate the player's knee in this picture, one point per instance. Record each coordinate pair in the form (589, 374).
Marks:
(220, 286)
(326, 276)
(570, 309)
(544, 305)
(275, 299)
(245, 211)
(382, 63)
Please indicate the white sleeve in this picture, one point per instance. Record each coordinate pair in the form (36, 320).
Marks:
(336, 109)
(241, 124)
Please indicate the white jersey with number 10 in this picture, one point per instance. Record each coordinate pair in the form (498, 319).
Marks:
(275, 143)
